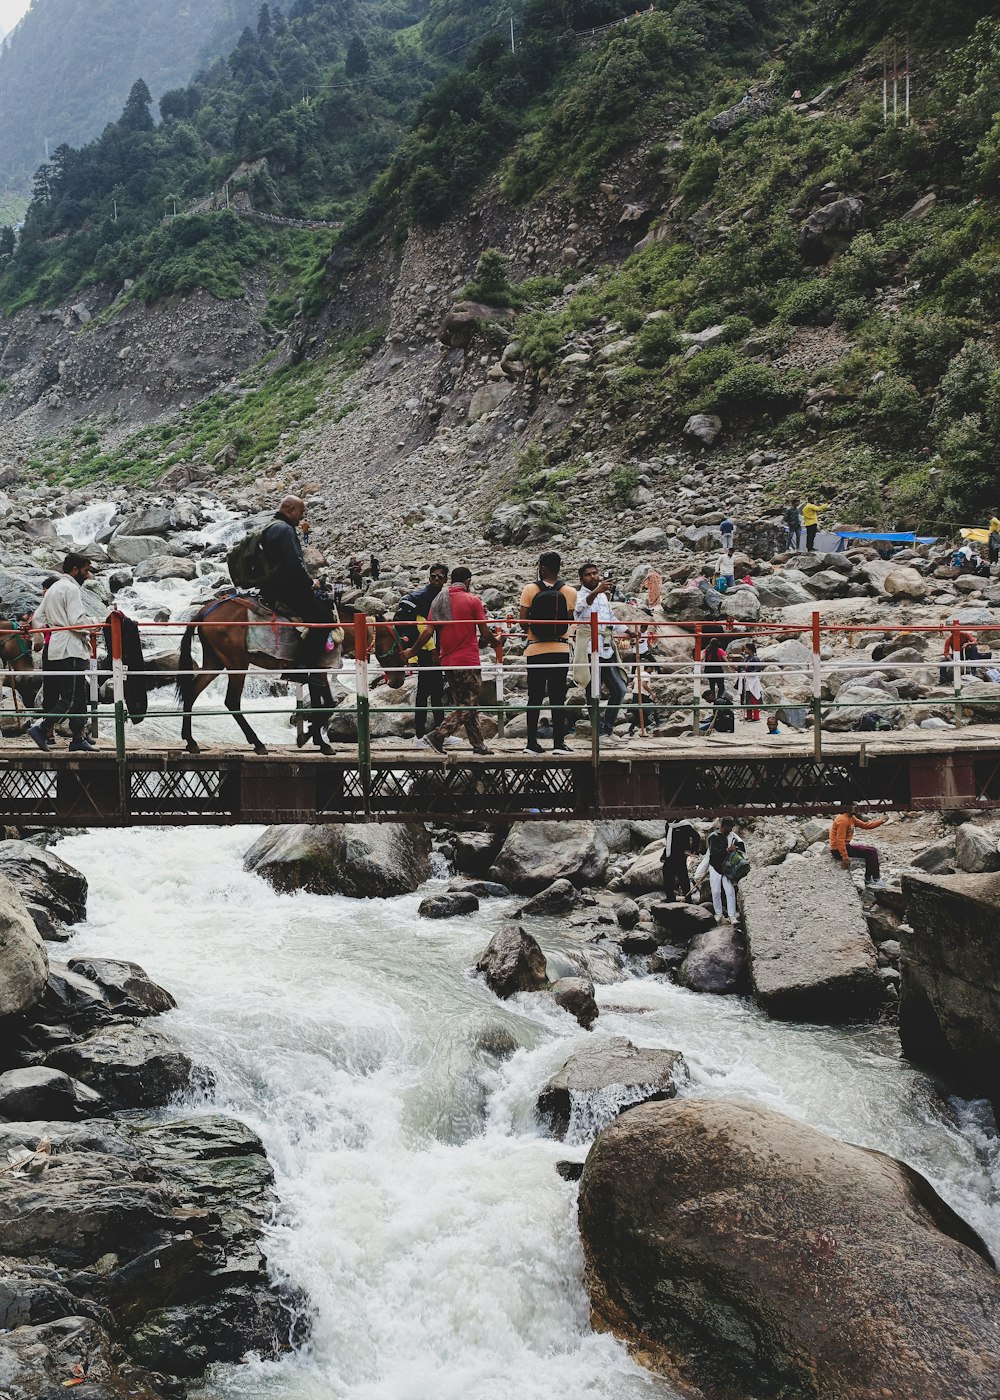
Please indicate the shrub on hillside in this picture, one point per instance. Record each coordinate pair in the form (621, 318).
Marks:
(807, 302)
(657, 342)
(923, 346)
(749, 390)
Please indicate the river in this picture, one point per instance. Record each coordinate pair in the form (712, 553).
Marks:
(419, 1208)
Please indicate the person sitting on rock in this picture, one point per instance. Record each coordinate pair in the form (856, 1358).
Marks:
(844, 848)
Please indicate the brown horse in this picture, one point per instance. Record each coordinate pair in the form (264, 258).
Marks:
(15, 656)
(225, 647)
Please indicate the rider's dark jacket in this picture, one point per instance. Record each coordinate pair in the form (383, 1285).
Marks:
(283, 552)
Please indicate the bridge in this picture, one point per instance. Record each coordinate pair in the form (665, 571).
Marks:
(653, 775)
(723, 775)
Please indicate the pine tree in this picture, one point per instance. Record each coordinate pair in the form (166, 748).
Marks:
(136, 115)
(358, 61)
(7, 241)
(41, 189)
(264, 23)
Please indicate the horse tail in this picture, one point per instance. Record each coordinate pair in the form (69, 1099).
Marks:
(185, 683)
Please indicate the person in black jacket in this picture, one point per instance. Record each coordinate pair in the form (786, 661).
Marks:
(290, 588)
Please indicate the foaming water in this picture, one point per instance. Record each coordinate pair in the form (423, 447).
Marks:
(420, 1209)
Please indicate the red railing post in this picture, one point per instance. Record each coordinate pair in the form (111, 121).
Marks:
(696, 681)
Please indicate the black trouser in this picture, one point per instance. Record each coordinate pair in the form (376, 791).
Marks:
(548, 672)
(715, 681)
(676, 880)
(430, 692)
(811, 536)
(50, 686)
(68, 695)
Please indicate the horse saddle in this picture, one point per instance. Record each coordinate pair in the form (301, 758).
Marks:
(267, 637)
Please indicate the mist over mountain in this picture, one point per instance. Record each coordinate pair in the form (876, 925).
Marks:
(67, 69)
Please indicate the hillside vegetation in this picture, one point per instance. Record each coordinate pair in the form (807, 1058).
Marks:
(66, 71)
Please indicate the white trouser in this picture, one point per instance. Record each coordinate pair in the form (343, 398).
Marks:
(720, 883)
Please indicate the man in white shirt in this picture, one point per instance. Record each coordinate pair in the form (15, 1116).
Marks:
(62, 608)
(592, 599)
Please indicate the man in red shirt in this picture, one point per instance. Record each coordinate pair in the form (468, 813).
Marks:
(459, 619)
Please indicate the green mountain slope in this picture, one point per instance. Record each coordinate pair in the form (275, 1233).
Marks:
(68, 68)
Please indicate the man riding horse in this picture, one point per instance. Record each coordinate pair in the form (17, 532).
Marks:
(290, 589)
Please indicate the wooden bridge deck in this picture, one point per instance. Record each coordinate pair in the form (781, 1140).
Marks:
(643, 778)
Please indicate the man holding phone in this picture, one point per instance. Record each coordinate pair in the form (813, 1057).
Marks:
(593, 599)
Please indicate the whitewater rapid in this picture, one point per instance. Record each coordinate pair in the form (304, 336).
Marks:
(420, 1210)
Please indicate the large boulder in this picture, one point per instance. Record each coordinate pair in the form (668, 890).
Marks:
(976, 851)
(130, 1066)
(125, 986)
(596, 1083)
(651, 538)
(24, 965)
(373, 861)
(54, 892)
(537, 853)
(811, 956)
(576, 995)
(513, 962)
(981, 699)
(703, 427)
(755, 1256)
(855, 699)
(949, 995)
(38, 1361)
(830, 229)
(558, 898)
(39, 1092)
(133, 549)
(905, 583)
(716, 962)
(778, 591)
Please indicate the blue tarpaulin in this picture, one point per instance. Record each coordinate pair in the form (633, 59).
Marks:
(897, 537)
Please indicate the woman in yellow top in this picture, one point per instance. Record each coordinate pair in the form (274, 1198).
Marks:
(994, 544)
(810, 519)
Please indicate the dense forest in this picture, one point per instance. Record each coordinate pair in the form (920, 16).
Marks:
(66, 71)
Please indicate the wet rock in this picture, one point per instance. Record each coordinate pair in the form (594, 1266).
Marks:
(24, 964)
(976, 851)
(537, 853)
(756, 1256)
(716, 962)
(570, 1171)
(513, 962)
(41, 1093)
(558, 898)
(55, 893)
(811, 957)
(125, 985)
(35, 1362)
(596, 1083)
(627, 913)
(949, 1011)
(667, 959)
(475, 850)
(128, 1065)
(576, 995)
(447, 906)
(373, 861)
(639, 940)
(679, 921)
(483, 889)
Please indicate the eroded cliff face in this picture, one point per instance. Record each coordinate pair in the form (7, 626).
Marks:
(125, 365)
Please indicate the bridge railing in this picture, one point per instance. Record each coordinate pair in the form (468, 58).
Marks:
(376, 649)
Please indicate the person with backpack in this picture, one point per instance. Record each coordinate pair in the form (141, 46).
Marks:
(546, 608)
(726, 532)
(412, 613)
(793, 524)
(593, 600)
(286, 584)
(724, 847)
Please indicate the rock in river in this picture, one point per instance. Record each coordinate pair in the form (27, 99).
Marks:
(372, 861)
(598, 1082)
(447, 906)
(513, 962)
(753, 1256)
(811, 956)
(537, 853)
(40, 1092)
(131, 1066)
(715, 962)
(24, 965)
(54, 892)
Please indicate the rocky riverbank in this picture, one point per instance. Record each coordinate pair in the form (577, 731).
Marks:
(130, 1243)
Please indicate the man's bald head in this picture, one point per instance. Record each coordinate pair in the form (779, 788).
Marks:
(293, 508)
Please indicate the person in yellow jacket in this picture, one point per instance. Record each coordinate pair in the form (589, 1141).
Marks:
(810, 519)
(994, 541)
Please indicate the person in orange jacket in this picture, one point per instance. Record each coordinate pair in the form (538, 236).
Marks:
(843, 847)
